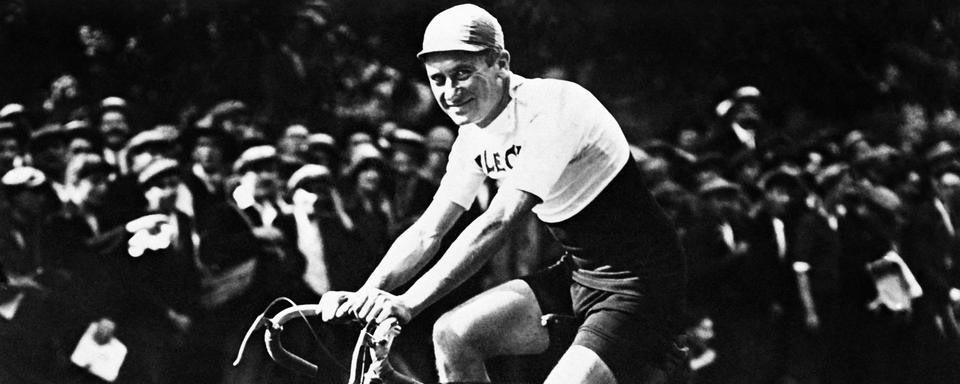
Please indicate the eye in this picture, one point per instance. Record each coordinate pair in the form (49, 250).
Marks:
(461, 74)
(438, 79)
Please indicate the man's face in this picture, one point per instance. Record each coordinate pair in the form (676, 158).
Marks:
(403, 163)
(9, 150)
(267, 180)
(208, 153)
(466, 88)
(778, 199)
(92, 189)
(115, 130)
(78, 145)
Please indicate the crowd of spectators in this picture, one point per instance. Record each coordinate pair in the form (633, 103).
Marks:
(154, 211)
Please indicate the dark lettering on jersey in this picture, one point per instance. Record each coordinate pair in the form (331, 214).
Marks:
(495, 161)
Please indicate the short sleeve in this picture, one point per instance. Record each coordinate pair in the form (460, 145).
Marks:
(551, 141)
(463, 177)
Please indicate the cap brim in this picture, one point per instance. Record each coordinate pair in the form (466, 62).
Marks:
(463, 47)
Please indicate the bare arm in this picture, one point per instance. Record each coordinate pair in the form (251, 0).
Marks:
(478, 242)
(415, 247)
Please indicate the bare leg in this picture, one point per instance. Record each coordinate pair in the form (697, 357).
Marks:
(580, 365)
(504, 320)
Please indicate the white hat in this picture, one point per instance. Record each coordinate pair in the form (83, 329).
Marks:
(308, 172)
(465, 27)
(23, 176)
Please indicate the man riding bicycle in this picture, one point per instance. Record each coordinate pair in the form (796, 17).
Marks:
(559, 153)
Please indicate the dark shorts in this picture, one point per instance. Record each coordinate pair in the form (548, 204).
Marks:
(635, 335)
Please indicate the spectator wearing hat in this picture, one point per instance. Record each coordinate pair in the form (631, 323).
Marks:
(16, 114)
(740, 122)
(439, 141)
(81, 254)
(369, 187)
(160, 274)
(722, 284)
(209, 151)
(48, 154)
(869, 343)
(782, 275)
(291, 147)
(81, 137)
(31, 200)
(322, 150)
(13, 143)
(412, 192)
(929, 246)
(114, 127)
(251, 245)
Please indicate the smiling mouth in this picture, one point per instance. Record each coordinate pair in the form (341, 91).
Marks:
(458, 104)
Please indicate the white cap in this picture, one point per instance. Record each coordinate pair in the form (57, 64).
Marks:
(465, 27)
(24, 176)
(10, 109)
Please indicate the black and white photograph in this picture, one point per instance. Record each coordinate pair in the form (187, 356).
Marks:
(479, 191)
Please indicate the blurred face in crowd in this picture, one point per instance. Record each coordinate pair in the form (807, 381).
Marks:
(403, 163)
(655, 169)
(779, 198)
(369, 181)
(947, 187)
(91, 190)
(747, 113)
(50, 157)
(267, 180)
(242, 127)
(163, 192)
(726, 204)
(78, 145)
(9, 151)
(294, 140)
(115, 130)
(322, 187)
(319, 155)
(468, 88)
(437, 159)
(208, 153)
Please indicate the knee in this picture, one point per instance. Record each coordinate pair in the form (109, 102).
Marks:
(452, 333)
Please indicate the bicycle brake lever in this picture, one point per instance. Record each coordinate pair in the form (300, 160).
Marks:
(258, 323)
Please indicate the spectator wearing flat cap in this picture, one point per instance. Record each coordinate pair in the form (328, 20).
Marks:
(113, 124)
(930, 248)
(412, 192)
(31, 200)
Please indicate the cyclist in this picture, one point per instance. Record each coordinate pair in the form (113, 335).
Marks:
(558, 152)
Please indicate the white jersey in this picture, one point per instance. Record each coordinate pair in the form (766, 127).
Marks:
(554, 140)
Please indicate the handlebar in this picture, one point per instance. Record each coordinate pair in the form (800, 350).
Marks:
(374, 342)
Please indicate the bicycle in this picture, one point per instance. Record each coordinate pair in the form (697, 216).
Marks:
(371, 350)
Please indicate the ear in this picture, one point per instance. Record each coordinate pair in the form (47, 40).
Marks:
(504, 60)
